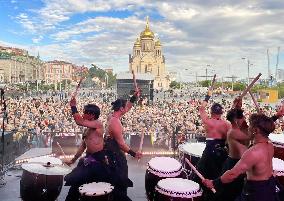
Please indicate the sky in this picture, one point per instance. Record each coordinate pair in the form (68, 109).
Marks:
(195, 34)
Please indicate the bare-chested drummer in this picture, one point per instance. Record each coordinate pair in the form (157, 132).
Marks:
(215, 153)
(115, 143)
(238, 139)
(93, 166)
(256, 162)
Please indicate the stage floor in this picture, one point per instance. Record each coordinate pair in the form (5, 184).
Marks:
(11, 191)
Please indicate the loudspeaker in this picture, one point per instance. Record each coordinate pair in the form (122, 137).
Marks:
(68, 144)
(9, 155)
(135, 142)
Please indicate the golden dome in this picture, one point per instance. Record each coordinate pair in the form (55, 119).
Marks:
(147, 33)
(137, 42)
(158, 43)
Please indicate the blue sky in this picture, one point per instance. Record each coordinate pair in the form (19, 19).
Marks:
(195, 34)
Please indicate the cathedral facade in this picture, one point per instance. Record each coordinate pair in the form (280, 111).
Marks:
(147, 57)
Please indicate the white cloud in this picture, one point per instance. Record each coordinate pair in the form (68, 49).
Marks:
(193, 33)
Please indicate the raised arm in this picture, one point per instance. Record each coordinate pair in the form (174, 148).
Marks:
(132, 100)
(279, 113)
(96, 124)
(203, 113)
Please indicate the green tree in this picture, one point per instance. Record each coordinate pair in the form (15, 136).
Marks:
(175, 85)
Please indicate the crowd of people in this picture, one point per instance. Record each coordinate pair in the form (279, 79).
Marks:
(36, 119)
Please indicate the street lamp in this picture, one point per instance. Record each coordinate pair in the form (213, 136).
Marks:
(249, 64)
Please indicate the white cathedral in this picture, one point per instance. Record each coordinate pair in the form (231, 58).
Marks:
(148, 58)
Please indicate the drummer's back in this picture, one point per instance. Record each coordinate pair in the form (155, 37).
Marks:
(217, 129)
(112, 124)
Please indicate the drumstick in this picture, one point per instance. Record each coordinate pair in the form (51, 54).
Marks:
(141, 142)
(134, 80)
(254, 101)
(250, 85)
(212, 83)
(197, 173)
(77, 88)
(61, 150)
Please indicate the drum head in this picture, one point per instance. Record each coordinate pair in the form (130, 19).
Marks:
(277, 139)
(164, 167)
(178, 187)
(278, 166)
(46, 170)
(95, 189)
(45, 160)
(193, 149)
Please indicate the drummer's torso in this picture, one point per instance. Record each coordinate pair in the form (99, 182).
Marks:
(216, 129)
(93, 139)
(236, 147)
(262, 169)
(113, 125)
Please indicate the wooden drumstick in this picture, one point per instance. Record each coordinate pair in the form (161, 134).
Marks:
(212, 83)
(62, 151)
(254, 101)
(77, 88)
(141, 142)
(250, 86)
(134, 80)
(198, 173)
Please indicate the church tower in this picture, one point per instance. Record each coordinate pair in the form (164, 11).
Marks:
(147, 57)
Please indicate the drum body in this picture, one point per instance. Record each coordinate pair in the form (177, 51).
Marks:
(191, 151)
(35, 187)
(96, 191)
(177, 189)
(278, 143)
(278, 169)
(160, 168)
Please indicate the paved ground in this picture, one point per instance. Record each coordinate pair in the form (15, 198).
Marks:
(11, 191)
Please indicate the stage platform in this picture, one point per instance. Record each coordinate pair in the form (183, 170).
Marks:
(11, 191)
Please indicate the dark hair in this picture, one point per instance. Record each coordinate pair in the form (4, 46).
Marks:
(263, 123)
(235, 113)
(116, 105)
(216, 109)
(92, 109)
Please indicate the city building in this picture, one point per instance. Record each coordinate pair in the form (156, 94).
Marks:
(17, 66)
(57, 72)
(147, 57)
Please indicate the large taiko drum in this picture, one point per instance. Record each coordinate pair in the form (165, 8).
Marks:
(96, 191)
(278, 169)
(278, 143)
(159, 168)
(42, 179)
(177, 189)
(191, 151)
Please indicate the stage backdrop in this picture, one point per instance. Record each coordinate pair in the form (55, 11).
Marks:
(125, 86)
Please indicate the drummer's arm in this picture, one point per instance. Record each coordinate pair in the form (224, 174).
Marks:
(79, 152)
(203, 113)
(249, 158)
(279, 113)
(117, 134)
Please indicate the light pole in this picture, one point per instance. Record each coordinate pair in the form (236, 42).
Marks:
(249, 64)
